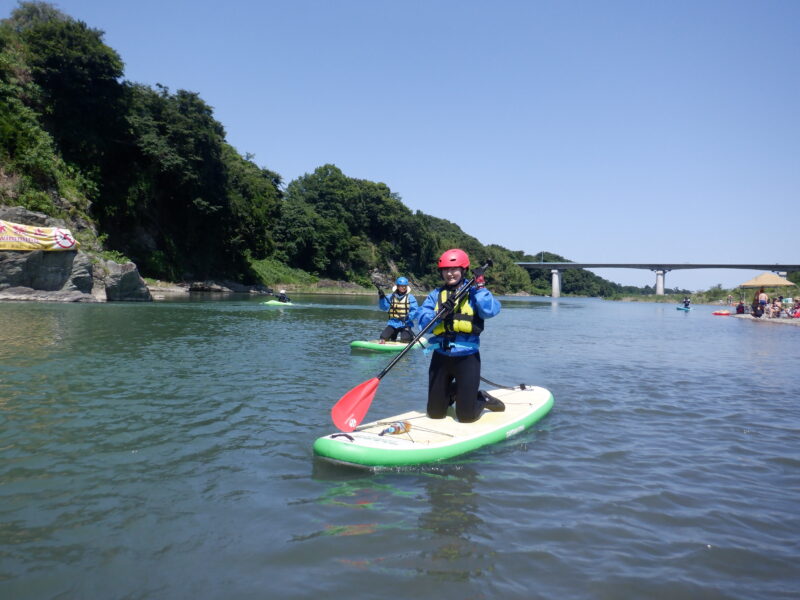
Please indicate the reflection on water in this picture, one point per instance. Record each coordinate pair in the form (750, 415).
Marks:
(452, 515)
(28, 333)
(447, 518)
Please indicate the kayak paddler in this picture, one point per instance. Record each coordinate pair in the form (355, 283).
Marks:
(403, 309)
(455, 369)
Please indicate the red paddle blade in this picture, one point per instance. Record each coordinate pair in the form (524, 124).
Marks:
(349, 411)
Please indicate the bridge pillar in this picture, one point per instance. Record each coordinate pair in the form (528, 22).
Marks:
(556, 293)
(660, 281)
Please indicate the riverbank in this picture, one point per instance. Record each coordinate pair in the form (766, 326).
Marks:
(778, 321)
(162, 289)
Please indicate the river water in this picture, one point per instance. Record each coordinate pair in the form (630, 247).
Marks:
(163, 450)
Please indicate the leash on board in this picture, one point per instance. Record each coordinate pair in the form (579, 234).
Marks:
(521, 386)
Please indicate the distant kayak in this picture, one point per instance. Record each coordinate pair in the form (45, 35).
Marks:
(376, 346)
(277, 303)
(722, 313)
(683, 307)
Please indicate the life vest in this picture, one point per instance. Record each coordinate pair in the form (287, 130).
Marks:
(399, 307)
(462, 320)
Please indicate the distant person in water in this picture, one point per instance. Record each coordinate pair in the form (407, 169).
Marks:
(282, 297)
(403, 309)
(740, 308)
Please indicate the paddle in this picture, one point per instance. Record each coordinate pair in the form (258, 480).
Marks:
(351, 408)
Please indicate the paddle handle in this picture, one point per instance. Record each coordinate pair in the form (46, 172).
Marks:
(442, 311)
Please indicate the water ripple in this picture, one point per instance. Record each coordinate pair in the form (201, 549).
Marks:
(138, 442)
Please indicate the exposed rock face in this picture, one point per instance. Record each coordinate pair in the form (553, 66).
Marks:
(121, 282)
(226, 286)
(29, 294)
(23, 216)
(63, 276)
(46, 271)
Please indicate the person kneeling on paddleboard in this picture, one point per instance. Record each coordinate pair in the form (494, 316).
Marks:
(403, 309)
(456, 342)
(282, 297)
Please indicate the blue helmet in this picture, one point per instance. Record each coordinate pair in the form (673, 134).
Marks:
(401, 281)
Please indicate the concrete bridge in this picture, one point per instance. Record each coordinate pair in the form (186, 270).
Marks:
(660, 270)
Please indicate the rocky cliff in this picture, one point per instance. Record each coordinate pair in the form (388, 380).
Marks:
(72, 276)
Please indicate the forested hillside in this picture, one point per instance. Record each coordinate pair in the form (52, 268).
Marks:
(151, 170)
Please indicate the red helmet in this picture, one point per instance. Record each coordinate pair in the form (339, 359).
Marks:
(454, 258)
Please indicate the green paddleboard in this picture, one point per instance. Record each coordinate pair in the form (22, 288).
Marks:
(377, 347)
(432, 440)
(277, 303)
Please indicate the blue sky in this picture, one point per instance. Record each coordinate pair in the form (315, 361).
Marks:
(616, 131)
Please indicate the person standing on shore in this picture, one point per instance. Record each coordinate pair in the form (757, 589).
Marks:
(403, 309)
(455, 368)
(763, 299)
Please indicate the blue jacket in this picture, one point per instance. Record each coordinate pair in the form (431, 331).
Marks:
(384, 302)
(482, 302)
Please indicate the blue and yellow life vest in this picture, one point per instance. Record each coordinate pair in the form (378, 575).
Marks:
(462, 320)
(399, 307)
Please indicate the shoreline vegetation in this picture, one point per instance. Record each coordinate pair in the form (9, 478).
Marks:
(714, 297)
(160, 290)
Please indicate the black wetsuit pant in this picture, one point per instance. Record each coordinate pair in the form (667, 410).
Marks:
(390, 333)
(466, 371)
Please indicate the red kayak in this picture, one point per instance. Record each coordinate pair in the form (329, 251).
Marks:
(722, 313)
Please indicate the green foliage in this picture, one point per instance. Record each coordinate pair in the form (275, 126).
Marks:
(115, 256)
(32, 173)
(271, 272)
(506, 275)
(255, 196)
(334, 225)
(77, 74)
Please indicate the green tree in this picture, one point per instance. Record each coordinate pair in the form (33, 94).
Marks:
(32, 172)
(80, 103)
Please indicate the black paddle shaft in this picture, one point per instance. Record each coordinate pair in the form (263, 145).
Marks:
(442, 312)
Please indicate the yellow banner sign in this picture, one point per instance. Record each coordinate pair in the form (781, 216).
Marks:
(28, 237)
